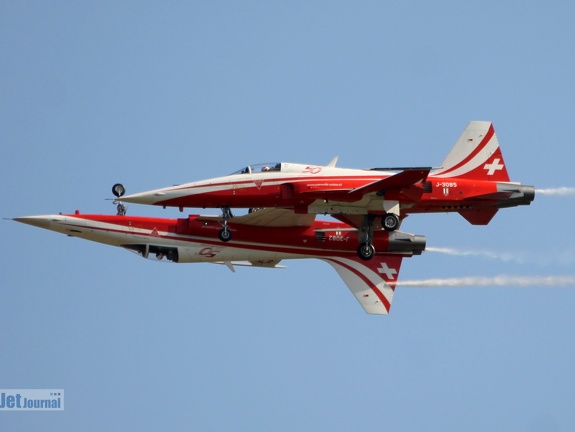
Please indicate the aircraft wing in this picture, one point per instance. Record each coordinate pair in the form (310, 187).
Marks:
(403, 180)
(269, 217)
(371, 282)
(258, 263)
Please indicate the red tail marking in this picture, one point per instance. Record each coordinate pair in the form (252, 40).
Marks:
(373, 287)
(477, 149)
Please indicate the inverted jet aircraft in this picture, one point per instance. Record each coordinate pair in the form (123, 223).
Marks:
(262, 239)
(472, 180)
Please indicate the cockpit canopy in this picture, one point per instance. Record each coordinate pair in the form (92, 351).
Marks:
(257, 168)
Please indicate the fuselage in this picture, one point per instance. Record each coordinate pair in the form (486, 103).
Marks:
(194, 239)
(320, 189)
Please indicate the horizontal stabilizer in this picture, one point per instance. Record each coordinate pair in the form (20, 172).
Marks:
(478, 217)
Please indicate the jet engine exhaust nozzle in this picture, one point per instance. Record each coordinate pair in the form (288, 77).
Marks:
(406, 243)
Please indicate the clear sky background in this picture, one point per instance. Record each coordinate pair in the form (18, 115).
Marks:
(152, 94)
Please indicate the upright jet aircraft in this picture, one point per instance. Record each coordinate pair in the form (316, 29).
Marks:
(472, 180)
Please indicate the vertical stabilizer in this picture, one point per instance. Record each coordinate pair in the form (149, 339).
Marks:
(371, 282)
(475, 156)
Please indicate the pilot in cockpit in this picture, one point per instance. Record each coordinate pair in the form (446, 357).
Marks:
(267, 168)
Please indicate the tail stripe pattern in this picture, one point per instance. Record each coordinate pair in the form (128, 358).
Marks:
(475, 156)
(474, 153)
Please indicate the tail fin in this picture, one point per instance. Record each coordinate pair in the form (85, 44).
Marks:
(371, 282)
(475, 156)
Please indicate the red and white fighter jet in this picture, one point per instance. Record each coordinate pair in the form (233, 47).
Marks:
(472, 181)
(262, 239)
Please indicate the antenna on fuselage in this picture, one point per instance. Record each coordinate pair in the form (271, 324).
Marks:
(333, 162)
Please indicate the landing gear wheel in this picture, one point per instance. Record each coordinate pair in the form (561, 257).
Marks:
(225, 235)
(365, 251)
(118, 190)
(390, 222)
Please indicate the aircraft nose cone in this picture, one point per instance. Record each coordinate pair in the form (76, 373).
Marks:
(37, 221)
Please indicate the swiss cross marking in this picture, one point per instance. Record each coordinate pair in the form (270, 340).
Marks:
(495, 166)
(389, 272)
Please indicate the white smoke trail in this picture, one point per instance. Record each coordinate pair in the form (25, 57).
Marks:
(479, 281)
(556, 191)
(563, 257)
(500, 256)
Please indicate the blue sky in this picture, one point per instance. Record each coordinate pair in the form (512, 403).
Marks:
(150, 94)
